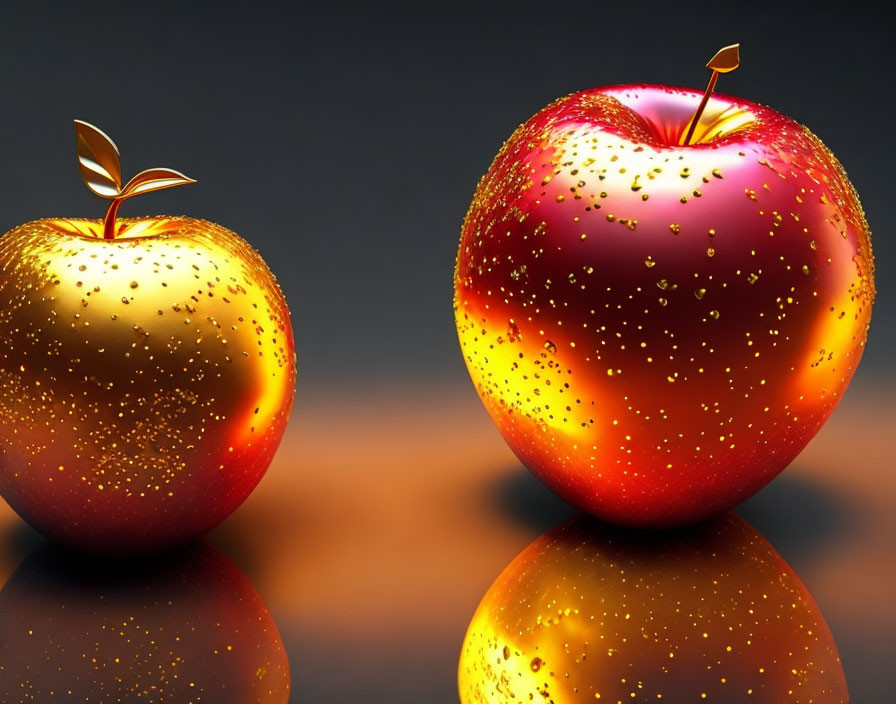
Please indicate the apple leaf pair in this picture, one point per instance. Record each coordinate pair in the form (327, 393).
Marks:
(100, 166)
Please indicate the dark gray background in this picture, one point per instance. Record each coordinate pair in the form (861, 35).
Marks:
(344, 141)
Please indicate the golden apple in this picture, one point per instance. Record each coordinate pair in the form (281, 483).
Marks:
(145, 378)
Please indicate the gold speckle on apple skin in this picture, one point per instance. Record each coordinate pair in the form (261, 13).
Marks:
(712, 394)
(589, 613)
(145, 381)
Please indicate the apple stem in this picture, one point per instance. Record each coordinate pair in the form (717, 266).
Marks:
(696, 118)
(726, 59)
(109, 220)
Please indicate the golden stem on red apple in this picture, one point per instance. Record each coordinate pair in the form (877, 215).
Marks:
(726, 59)
(696, 118)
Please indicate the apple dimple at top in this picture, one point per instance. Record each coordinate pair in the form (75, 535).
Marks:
(667, 113)
(665, 117)
(658, 116)
(128, 229)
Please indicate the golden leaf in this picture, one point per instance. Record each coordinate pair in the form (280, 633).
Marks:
(100, 167)
(98, 160)
(726, 59)
(154, 180)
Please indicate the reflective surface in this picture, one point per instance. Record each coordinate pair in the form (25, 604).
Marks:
(658, 330)
(592, 612)
(373, 549)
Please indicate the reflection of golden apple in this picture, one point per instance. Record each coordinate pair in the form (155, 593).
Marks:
(587, 613)
(146, 376)
(188, 628)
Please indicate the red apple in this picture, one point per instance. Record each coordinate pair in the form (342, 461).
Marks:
(657, 329)
(186, 628)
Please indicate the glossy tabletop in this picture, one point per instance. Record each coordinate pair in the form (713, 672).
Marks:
(389, 511)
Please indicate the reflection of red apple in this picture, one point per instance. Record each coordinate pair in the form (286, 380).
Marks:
(587, 613)
(657, 329)
(183, 628)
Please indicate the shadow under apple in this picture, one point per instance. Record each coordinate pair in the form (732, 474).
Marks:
(798, 516)
(18, 540)
(522, 498)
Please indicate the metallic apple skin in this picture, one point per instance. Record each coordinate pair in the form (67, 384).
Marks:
(145, 381)
(181, 627)
(589, 613)
(657, 330)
